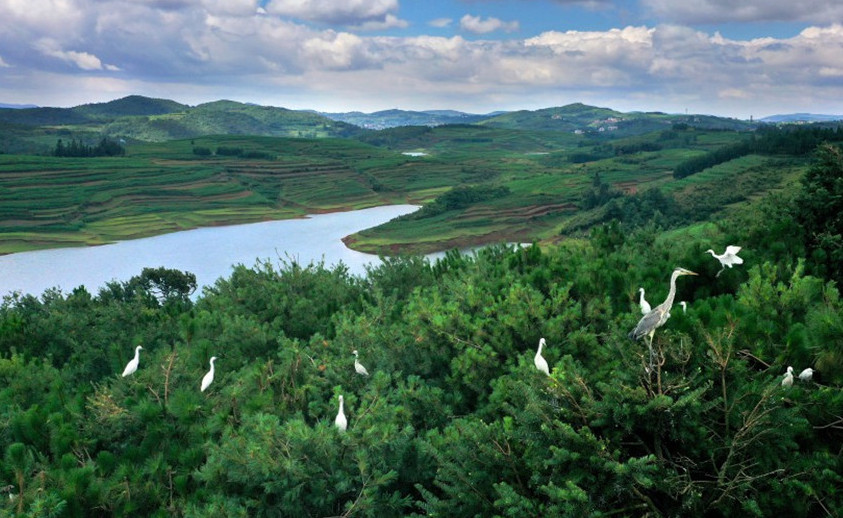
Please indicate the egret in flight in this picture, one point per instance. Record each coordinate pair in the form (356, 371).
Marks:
(807, 374)
(645, 306)
(658, 316)
(209, 377)
(541, 363)
(132, 366)
(788, 378)
(728, 258)
(341, 422)
(359, 366)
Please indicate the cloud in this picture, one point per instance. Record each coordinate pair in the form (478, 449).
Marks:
(440, 23)
(351, 13)
(721, 11)
(82, 60)
(479, 26)
(208, 49)
(3, 64)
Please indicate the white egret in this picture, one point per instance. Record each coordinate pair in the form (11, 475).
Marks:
(807, 374)
(541, 363)
(684, 306)
(788, 378)
(132, 366)
(359, 366)
(728, 258)
(645, 306)
(341, 422)
(208, 378)
(658, 316)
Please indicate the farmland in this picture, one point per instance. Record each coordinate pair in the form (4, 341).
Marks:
(170, 184)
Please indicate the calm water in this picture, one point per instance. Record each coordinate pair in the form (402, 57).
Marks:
(208, 253)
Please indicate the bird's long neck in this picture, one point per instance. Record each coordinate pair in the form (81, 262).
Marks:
(672, 293)
(641, 298)
(540, 348)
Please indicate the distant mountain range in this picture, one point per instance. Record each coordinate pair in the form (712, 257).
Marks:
(801, 117)
(148, 119)
(17, 106)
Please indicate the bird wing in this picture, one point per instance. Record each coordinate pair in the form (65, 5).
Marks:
(732, 250)
(648, 323)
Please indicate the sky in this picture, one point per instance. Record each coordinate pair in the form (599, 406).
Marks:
(733, 58)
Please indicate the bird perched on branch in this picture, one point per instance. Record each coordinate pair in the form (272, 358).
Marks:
(209, 377)
(658, 315)
(132, 366)
(645, 306)
(358, 367)
(340, 421)
(727, 258)
(788, 378)
(806, 375)
(541, 363)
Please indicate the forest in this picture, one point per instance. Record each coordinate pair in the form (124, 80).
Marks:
(453, 418)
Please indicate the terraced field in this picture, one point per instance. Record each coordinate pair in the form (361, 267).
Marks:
(176, 185)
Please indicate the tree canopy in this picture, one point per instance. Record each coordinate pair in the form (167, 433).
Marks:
(454, 419)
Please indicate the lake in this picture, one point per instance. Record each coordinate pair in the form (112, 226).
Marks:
(209, 253)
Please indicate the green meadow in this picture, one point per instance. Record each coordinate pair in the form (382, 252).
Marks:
(543, 176)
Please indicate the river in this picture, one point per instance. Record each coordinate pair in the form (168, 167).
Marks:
(209, 253)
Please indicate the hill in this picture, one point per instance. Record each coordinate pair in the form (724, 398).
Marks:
(802, 117)
(145, 119)
(583, 118)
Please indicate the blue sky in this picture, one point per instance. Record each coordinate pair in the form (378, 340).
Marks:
(737, 58)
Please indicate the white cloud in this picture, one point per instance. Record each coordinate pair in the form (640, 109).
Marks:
(720, 11)
(346, 12)
(213, 49)
(82, 60)
(440, 23)
(478, 25)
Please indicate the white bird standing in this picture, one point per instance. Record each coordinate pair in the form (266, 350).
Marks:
(341, 422)
(728, 258)
(807, 374)
(788, 378)
(359, 366)
(132, 366)
(208, 378)
(645, 306)
(541, 363)
(684, 306)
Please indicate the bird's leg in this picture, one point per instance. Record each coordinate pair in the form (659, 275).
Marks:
(650, 347)
(721, 271)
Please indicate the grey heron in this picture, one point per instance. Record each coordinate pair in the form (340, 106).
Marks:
(658, 316)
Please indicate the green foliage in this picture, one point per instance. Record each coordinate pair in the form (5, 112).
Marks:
(454, 419)
(819, 210)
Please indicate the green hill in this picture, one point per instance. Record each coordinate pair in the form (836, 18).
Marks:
(144, 119)
(579, 117)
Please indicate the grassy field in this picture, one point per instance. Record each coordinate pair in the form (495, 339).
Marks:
(162, 187)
